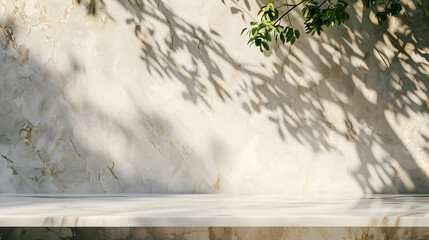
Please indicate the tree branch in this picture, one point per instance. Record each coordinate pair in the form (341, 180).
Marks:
(289, 5)
(284, 14)
(322, 3)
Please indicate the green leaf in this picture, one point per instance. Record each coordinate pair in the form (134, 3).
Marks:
(268, 36)
(272, 15)
(253, 23)
(286, 29)
(346, 17)
(242, 31)
(330, 13)
(265, 45)
(282, 37)
(254, 31)
(297, 33)
(305, 12)
(325, 14)
(289, 33)
(250, 40)
(395, 8)
(292, 40)
(381, 17)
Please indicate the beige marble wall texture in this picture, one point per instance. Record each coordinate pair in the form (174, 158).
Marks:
(165, 96)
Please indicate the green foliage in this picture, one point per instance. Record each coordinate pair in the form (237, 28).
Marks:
(316, 15)
(269, 27)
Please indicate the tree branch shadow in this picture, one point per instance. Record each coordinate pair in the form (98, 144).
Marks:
(353, 60)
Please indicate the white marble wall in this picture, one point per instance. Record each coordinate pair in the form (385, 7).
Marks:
(165, 96)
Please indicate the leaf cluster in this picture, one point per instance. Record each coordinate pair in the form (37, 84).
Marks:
(269, 28)
(317, 15)
(392, 8)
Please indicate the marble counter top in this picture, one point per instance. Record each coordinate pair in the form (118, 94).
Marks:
(167, 210)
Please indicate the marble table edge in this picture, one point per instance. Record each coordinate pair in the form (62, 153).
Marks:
(408, 219)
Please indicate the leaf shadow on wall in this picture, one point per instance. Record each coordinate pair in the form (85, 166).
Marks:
(42, 153)
(371, 75)
(300, 105)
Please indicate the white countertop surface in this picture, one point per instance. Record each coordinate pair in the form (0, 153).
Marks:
(176, 210)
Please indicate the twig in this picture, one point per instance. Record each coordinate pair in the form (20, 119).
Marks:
(322, 3)
(288, 18)
(284, 14)
(288, 5)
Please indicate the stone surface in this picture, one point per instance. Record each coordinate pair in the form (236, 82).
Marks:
(165, 96)
(215, 233)
(214, 210)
